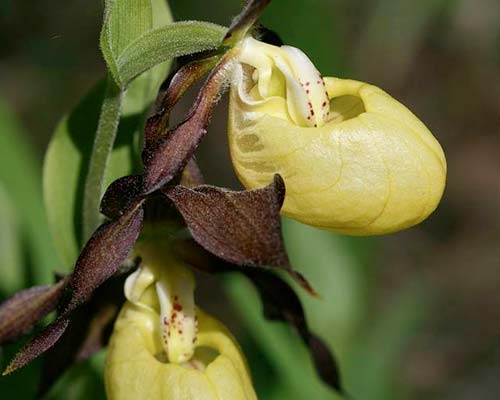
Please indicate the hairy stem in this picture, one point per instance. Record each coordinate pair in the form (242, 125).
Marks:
(101, 152)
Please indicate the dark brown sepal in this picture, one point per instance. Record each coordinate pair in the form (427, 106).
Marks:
(240, 227)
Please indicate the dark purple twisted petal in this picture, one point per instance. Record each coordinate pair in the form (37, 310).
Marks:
(20, 313)
(167, 156)
(103, 254)
(38, 345)
(179, 83)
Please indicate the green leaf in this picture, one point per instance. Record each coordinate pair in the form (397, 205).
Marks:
(138, 34)
(69, 152)
(65, 169)
(20, 177)
(124, 21)
(67, 160)
(164, 43)
(380, 351)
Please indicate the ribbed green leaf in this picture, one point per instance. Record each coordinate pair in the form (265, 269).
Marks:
(164, 43)
(124, 21)
(137, 35)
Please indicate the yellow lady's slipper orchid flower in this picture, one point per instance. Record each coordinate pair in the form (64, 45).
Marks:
(354, 160)
(165, 348)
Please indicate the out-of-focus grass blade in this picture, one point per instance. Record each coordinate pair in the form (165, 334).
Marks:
(20, 177)
(312, 26)
(374, 368)
(290, 360)
(396, 29)
(12, 270)
(81, 382)
(338, 272)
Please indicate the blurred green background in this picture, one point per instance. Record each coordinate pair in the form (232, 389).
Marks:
(412, 315)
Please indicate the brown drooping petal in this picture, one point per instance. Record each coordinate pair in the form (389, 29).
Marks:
(245, 20)
(87, 333)
(20, 313)
(242, 228)
(281, 303)
(168, 155)
(181, 81)
(38, 345)
(121, 195)
(103, 255)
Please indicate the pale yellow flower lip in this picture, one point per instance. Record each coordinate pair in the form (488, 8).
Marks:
(135, 368)
(372, 168)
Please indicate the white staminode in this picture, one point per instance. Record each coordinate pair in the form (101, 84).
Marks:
(307, 101)
(174, 288)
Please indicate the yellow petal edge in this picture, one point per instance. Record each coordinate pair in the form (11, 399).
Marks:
(372, 168)
(135, 369)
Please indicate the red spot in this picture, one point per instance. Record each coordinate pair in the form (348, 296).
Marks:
(308, 83)
(174, 315)
(318, 82)
(307, 91)
(177, 307)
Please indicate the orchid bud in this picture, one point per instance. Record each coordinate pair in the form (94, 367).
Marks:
(163, 347)
(354, 160)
